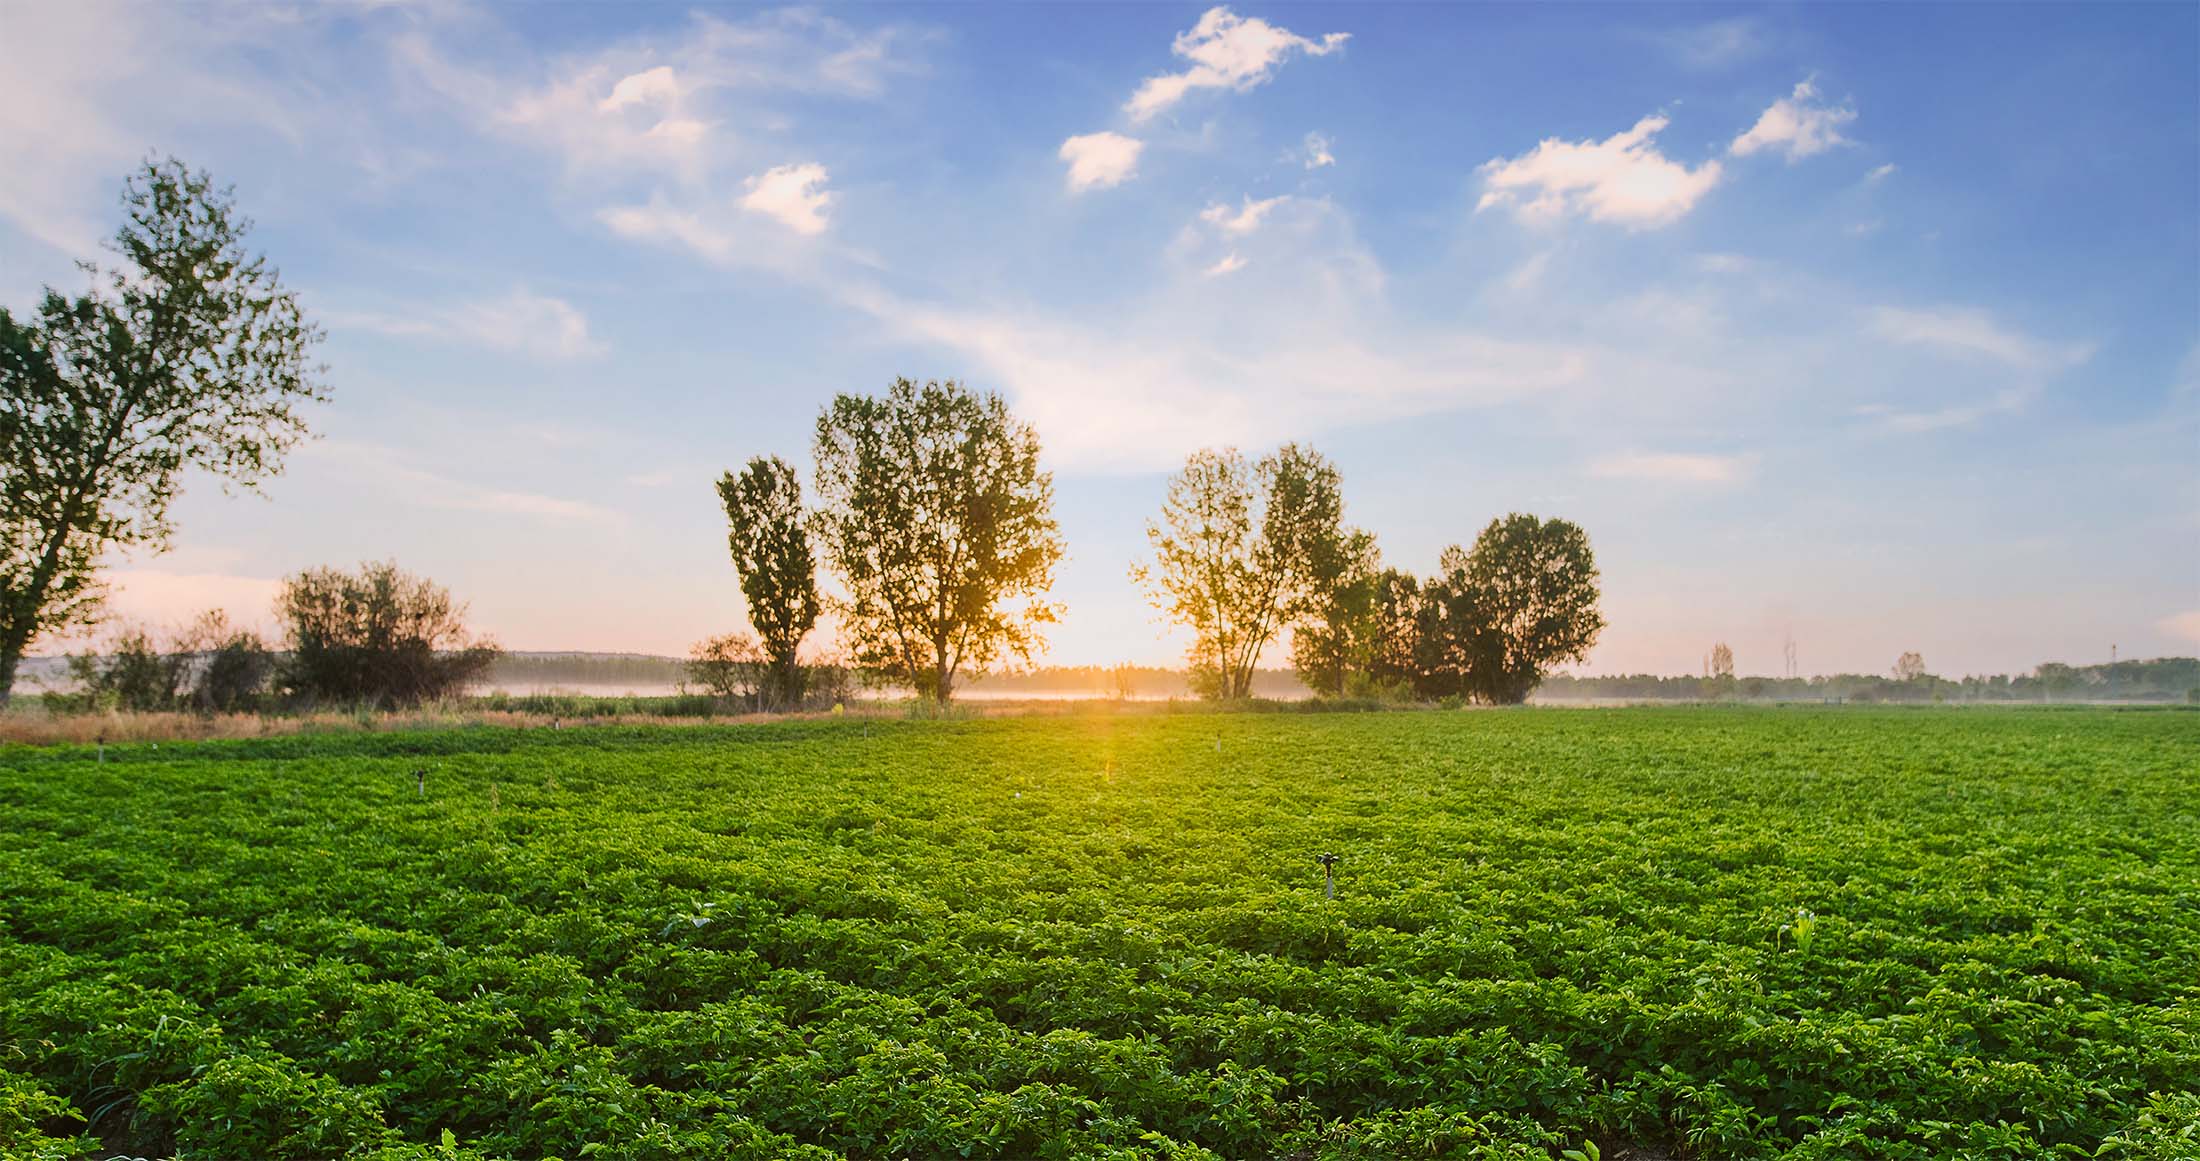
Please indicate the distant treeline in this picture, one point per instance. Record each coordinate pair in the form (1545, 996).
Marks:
(2160, 679)
(548, 670)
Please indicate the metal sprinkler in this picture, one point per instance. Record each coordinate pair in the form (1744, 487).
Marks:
(421, 776)
(1329, 872)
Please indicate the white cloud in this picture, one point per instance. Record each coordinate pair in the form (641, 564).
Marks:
(657, 86)
(794, 194)
(1622, 179)
(1880, 173)
(1717, 263)
(1227, 51)
(1243, 220)
(1675, 467)
(1315, 152)
(1228, 263)
(2185, 625)
(1798, 125)
(522, 322)
(1101, 160)
(1865, 228)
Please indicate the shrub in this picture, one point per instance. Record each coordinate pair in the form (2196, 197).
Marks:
(729, 667)
(234, 665)
(377, 637)
(134, 674)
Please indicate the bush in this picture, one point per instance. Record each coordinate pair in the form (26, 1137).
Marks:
(234, 666)
(729, 668)
(377, 637)
(734, 671)
(210, 667)
(135, 674)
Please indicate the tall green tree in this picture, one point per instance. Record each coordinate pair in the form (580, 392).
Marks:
(186, 354)
(1394, 630)
(1521, 601)
(770, 542)
(1236, 552)
(934, 513)
(1334, 629)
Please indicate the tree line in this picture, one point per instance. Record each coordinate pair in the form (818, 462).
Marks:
(929, 512)
(1908, 681)
(375, 637)
(935, 519)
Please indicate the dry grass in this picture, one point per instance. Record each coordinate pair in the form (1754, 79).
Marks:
(28, 723)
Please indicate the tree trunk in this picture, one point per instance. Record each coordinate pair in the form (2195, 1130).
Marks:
(11, 656)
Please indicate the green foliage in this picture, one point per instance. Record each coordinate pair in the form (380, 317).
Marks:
(234, 666)
(730, 668)
(1240, 553)
(771, 554)
(1104, 936)
(30, 1116)
(1498, 616)
(187, 354)
(135, 673)
(377, 637)
(211, 667)
(936, 516)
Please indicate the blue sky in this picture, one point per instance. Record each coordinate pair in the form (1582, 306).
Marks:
(1875, 325)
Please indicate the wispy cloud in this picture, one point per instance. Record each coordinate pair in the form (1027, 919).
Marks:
(1314, 152)
(2185, 625)
(522, 322)
(1243, 220)
(2007, 369)
(1226, 51)
(1622, 179)
(1716, 44)
(389, 473)
(1969, 332)
(1675, 467)
(1309, 346)
(85, 86)
(677, 102)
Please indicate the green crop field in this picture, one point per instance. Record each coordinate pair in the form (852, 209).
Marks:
(1642, 932)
